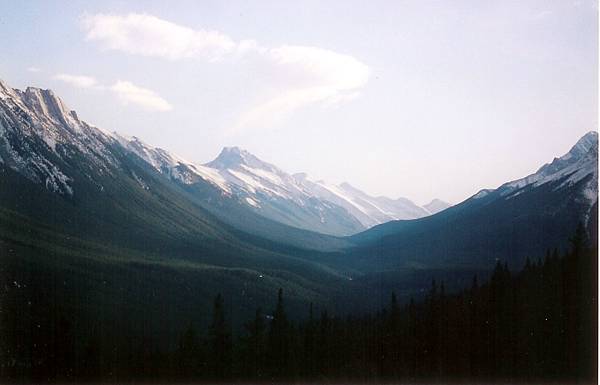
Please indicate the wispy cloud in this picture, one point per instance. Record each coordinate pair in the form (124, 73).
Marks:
(34, 69)
(126, 92)
(305, 75)
(313, 75)
(147, 35)
(79, 81)
(129, 93)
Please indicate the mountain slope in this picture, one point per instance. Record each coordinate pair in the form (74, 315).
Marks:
(243, 183)
(206, 187)
(519, 219)
(73, 199)
(44, 142)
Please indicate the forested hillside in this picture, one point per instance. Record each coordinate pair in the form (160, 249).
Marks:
(531, 325)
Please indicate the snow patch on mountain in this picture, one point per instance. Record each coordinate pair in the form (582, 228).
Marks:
(171, 165)
(39, 136)
(249, 173)
(580, 162)
(252, 202)
(367, 209)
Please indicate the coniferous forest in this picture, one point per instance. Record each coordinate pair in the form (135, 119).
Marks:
(537, 324)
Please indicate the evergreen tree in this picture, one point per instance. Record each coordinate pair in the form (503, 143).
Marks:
(90, 368)
(412, 341)
(279, 340)
(189, 357)
(392, 340)
(220, 341)
(64, 354)
(254, 355)
(310, 341)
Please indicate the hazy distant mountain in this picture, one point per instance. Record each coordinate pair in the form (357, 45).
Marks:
(436, 205)
(275, 194)
(368, 210)
(294, 200)
(262, 184)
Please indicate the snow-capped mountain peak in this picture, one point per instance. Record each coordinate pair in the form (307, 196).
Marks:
(236, 157)
(230, 157)
(39, 136)
(262, 182)
(576, 165)
(45, 102)
(6, 91)
(300, 176)
(583, 146)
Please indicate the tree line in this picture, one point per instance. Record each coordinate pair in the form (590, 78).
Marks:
(534, 325)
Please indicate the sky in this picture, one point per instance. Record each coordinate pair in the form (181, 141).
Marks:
(416, 99)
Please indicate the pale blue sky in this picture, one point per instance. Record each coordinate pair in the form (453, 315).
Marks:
(420, 99)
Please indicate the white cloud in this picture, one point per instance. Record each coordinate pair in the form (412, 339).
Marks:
(302, 75)
(79, 81)
(34, 69)
(147, 35)
(129, 93)
(126, 92)
(314, 75)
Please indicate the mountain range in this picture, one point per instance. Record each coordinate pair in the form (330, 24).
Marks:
(116, 226)
(294, 200)
(77, 207)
